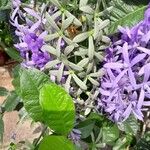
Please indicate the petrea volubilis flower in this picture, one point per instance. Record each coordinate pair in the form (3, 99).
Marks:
(125, 87)
(31, 36)
(65, 45)
(75, 136)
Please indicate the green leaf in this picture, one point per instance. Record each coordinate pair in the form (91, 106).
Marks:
(123, 143)
(4, 15)
(16, 73)
(11, 101)
(56, 143)
(13, 53)
(110, 132)
(58, 107)
(5, 4)
(1, 128)
(143, 143)
(3, 91)
(96, 117)
(31, 81)
(124, 14)
(86, 127)
(129, 126)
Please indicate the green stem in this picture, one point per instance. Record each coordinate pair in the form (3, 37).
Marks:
(2, 44)
(35, 2)
(104, 4)
(38, 139)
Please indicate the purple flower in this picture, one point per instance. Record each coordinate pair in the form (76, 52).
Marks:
(63, 44)
(16, 6)
(33, 42)
(125, 87)
(75, 136)
(16, 3)
(40, 59)
(30, 50)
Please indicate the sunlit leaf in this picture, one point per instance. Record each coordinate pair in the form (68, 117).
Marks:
(58, 107)
(56, 143)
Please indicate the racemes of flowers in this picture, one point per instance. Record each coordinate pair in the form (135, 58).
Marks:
(30, 36)
(65, 43)
(125, 87)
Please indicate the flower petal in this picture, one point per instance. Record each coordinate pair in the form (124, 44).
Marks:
(118, 78)
(146, 72)
(127, 112)
(125, 53)
(113, 65)
(146, 103)
(32, 13)
(141, 98)
(137, 114)
(104, 92)
(137, 59)
(143, 49)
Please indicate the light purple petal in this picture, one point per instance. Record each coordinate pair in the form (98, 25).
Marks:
(127, 112)
(131, 77)
(43, 34)
(143, 49)
(111, 75)
(141, 99)
(117, 116)
(137, 59)
(117, 79)
(112, 95)
(146, 103)
(35, 26)
(113, 65)
(32, 13)
(125, 53)
(110, 108)
(146, 72)
(125, 31)
(104, 92)
(23, 45)
(137, 114)
(14, 13)
(146, 37)
(106, 84)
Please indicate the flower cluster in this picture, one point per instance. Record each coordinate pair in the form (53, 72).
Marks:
(75, 136)
(31, 36)
(64, 44)
(125, 87)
